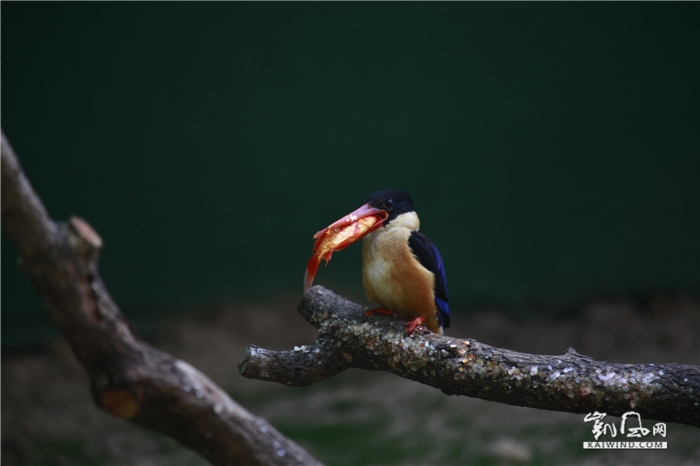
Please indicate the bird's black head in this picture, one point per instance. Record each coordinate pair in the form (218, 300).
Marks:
(394, 201)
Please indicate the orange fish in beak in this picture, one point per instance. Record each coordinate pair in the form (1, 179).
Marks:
(341, 234)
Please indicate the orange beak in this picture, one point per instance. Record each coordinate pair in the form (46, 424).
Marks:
(341, 234)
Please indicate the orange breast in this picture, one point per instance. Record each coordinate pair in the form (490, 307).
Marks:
(395, 279)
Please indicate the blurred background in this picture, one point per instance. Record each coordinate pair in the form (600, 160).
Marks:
(551, 150)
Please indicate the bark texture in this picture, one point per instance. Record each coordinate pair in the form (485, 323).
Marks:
(129, 378)
(569, 382)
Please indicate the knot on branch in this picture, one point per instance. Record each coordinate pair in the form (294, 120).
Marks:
(85, 241)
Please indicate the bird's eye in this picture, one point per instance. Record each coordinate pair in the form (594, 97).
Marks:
(388, 204)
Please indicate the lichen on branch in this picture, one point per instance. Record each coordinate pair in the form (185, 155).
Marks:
(569, 382)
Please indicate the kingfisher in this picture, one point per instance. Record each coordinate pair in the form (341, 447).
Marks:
(402, 270)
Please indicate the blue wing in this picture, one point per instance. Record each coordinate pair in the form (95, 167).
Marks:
(429, 257)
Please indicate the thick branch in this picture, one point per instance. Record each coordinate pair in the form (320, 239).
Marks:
(570, 382)
(129, 378)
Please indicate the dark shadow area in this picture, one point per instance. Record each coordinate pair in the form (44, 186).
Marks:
(358, 417)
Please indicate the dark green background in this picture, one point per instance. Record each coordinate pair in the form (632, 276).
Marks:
(552, 150)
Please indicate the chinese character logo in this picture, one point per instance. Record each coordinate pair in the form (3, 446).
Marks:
(631, 426)
(600, 428)
(637, 432)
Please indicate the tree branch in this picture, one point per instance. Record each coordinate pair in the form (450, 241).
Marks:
(129, 378)
(570, 382)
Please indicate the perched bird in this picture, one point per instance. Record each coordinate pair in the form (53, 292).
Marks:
(402, 269)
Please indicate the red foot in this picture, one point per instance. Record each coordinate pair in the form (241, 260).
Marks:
(414, 324)
(378, 310)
